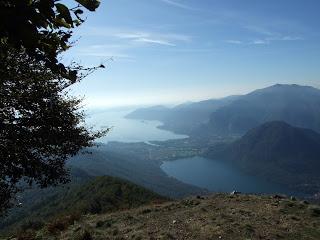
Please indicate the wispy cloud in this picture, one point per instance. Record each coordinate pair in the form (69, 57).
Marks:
(150, 38)
(260, 30)
(260, 42)
(263, 41)
(114, 51)
(286, 38)
(120, 43)
(237, 42)
(269, 40)
(264, 36)
(154, 41)
(138, 36)
(177, 4)
(267, 36)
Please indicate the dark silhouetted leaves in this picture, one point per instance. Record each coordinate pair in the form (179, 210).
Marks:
(41, 28)
(91, 5)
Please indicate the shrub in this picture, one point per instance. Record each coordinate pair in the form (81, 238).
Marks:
(32, 225)
(62, 223)
(315, 211)
(84, 235)
(95, 207)
(26, 235)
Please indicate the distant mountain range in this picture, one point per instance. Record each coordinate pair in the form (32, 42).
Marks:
(294, 104)
(277, 130)
(183, 118)
(279, 152)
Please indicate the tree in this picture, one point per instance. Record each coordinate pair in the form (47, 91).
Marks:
(41, 126)
(42, 28)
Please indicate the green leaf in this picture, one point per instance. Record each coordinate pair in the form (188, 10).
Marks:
(91, 5)
(61, 22)
(64, 12)
(78, 11)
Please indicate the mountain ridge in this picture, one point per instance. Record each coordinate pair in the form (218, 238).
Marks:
(292, 103)
(183, 118)
(235, 115)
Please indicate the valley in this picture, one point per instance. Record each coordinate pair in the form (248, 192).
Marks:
(271, 158)
(159, 120)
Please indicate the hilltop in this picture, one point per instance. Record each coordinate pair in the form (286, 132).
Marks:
(278, 151)
(220, 216)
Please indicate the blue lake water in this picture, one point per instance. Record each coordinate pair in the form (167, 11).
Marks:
(128, 130)
(217, 176)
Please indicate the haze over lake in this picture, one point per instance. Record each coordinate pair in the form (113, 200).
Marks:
(216, 176)
(128, 130)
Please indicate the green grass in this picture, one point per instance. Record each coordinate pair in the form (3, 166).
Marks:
(216, 217)
(100, 195)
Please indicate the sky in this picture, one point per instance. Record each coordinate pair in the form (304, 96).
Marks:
(172, 51)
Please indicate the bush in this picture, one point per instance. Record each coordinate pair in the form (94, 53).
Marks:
(32, 225)
(315, 211)
(95, 207)
(62, 223)
(84, 235)
(26, 235)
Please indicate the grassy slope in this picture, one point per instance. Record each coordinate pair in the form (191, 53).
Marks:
(217, 217)
(33, 200)
(100, 195)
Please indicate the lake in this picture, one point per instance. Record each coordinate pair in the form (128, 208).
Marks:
(217, 176)
(127, 130)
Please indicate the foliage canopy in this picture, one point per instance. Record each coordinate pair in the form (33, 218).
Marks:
(42, 28)
(41, 126)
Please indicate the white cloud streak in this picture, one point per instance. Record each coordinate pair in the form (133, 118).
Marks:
(154, 41)
(122, 41)
(117, 52)
(267, 36)
(236, 42)
(137, 36)
(177, 4)
(260, 42)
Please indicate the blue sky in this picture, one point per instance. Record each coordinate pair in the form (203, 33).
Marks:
(171, 51)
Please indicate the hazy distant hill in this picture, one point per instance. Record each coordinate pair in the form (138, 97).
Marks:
(182, 118)
(158, 113)
(294, 104)
(278, 151)
(235, 115)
